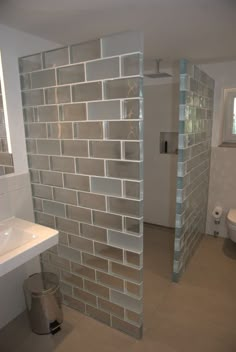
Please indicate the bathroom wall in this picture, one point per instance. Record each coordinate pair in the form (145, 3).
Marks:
(195, 129)
(15, 190)
(161, 115)
(222, 190)
(82, 110)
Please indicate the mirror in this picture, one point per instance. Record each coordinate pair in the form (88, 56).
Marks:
(6, 157)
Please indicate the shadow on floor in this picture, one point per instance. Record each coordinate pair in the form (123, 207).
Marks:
(229, 248)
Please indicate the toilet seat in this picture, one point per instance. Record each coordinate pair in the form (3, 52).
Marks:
(231, 217)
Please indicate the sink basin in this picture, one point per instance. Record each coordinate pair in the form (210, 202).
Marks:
(21, 241)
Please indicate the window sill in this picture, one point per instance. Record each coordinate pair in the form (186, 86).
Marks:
(228, 145)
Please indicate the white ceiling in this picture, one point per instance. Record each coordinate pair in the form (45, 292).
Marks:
(201, 30)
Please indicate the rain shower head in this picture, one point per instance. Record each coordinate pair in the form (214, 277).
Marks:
(158, 74)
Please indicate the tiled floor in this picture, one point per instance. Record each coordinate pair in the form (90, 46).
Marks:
(198, 314)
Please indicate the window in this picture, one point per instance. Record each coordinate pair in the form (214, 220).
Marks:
(229, 116)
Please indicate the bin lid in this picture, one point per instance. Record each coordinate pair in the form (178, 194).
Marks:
(41, 283)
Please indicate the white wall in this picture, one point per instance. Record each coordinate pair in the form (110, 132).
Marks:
(222, 189)
(160, 115)
(15, 191)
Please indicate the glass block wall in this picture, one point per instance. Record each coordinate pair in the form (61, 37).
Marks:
(194, 150)
(83, 113)
(6, 159)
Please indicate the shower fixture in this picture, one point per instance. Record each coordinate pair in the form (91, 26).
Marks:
(158, 74)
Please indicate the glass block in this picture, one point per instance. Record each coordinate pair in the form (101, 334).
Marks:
(90, 167)
(51, 178)
(70, 74)
(66, 225)
(110, 281)
(70, 254)
(40, 162)
(109, 252)
(124, 169)
(30, 63)
(127, 272)
(65, 196)
(126, 301)
(132, 65)
(47, 113)
(105, 149)
(95, 262)
(36, 130)
(92, 201)
(78, 182)
(49, 147)
(56, 57)
(81, 243)
(122, 43)
(133, 150)
(34, 176)
(73, 112)
(87, 91)
(54, 208)
(132, 189)
(123, 130)
(134, 226)
(106, 186)
(93, 232)
(44, 219)
(124, 206)
(102, 69)
(38, 204)
(88, 130)
(85, 51)
(60, 130)
(74, 148)
(32, 97)
(123, 88)
(83, 271)
(41, 79)
(31, 146)
(107, 220)
(64, 164)
(25, 81)
(57, 95)
(41, 191)
(133, 109)
(104, 110)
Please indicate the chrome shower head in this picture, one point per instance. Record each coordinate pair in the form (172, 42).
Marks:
(158, 74)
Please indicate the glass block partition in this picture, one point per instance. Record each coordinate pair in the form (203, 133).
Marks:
(194, 150)
(83, 114)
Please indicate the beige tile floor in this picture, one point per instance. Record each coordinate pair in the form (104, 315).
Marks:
(198, 314)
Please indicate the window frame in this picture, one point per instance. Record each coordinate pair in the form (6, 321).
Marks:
(229, 97)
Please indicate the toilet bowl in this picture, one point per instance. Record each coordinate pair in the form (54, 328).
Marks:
(231, 224)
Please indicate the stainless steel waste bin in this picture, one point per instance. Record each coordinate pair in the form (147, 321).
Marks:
(43, 301)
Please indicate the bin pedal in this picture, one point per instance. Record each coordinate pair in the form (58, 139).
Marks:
(54, 327)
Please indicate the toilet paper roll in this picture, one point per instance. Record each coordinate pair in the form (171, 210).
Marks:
(217, 212)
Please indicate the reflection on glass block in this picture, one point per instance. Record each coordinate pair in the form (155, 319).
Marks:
(132, 65)
(133, 109)
(56, 57)
(123, 88)
(85, 51)
(102, 69)
(30, 63)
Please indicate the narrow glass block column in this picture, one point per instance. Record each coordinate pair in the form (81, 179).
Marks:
(194, 152)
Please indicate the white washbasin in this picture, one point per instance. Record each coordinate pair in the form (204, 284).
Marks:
(21, 241)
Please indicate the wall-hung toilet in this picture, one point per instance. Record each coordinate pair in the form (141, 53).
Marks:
(231, 224)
